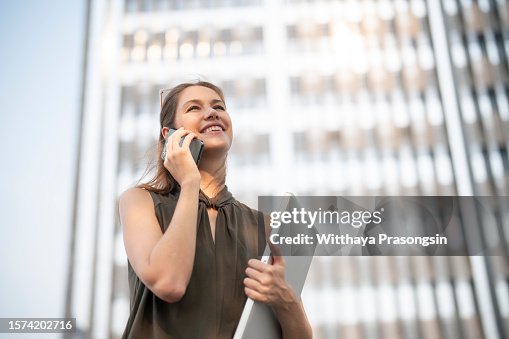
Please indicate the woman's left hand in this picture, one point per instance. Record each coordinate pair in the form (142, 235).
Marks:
(266, 283)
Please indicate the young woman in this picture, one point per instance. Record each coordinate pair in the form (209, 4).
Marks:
(192, 248)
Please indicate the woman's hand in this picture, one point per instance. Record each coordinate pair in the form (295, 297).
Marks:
(179, 161)
(266, 283)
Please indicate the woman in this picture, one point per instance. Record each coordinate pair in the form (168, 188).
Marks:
(191, 246)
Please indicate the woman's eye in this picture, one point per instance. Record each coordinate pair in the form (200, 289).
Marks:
(219, 107)
(192, 108)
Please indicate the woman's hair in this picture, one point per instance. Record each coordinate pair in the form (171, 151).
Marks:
(162, 181)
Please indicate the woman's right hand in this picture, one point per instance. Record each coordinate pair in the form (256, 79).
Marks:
(179, 161)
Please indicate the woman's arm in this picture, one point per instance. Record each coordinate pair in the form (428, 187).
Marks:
(164, 262)
(266, 283)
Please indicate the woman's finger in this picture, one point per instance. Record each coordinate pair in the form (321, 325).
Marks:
(256, 296)
(254, 274)
(278, 260)
(258, 265)
(253, 284)
(175, 138)
(187, 140)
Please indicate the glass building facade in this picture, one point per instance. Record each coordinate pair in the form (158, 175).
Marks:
(330, 97)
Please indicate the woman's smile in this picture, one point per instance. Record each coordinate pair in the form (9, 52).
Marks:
(213, 128)
(202, 111)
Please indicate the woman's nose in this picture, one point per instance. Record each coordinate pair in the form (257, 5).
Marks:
(211, 113)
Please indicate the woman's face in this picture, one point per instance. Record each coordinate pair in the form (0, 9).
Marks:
(201, 111)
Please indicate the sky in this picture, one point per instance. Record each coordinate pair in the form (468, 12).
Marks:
(40, 76)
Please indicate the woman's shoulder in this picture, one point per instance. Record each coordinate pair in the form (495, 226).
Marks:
(140, 194)
(133, 201)
(134, 194)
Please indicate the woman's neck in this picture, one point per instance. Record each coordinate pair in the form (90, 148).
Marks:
(213, 175)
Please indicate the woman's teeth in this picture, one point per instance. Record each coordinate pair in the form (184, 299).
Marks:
(213, 129)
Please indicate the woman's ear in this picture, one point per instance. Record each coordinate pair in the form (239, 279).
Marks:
(164, 131)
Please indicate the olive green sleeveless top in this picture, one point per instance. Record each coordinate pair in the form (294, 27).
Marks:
(214, 298)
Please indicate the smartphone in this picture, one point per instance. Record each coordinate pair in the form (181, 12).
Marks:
(196, 147)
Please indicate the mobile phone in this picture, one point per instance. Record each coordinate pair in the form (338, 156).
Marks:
(196, 147)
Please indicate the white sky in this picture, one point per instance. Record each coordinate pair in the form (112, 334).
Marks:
(40, 72)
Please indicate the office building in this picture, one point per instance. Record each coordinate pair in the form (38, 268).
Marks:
(367, 97)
